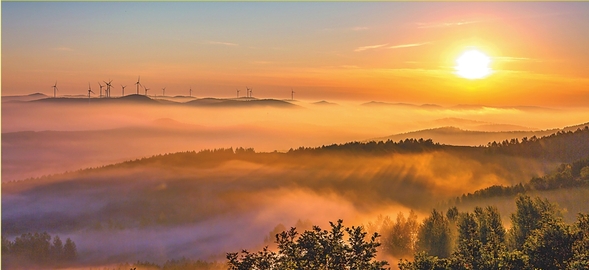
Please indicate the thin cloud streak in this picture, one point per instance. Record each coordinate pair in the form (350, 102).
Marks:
(363, 48)
(408, 45)
(516, 59)
(222, 43)
(446, 24)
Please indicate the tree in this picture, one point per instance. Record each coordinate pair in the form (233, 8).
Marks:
(422, 261)
(580, 258)
(399, 237)
(470, 248)
(56, 249)
(529, 216)
(434, 235)
(314, 249)
(550, 247)
(69, 250)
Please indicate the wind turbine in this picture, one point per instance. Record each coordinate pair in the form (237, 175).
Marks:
(145, 89)
(123, 94)
(55, 89)
(237, 93)
(108, 85)
(100, 88)
(138, 83)
(190, 91)
(292, 94)
(89, 91)
(248, 91)
(163, 92)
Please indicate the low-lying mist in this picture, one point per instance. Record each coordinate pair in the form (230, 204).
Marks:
(41, 137)
(201, 205)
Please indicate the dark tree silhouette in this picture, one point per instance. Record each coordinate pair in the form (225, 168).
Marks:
(314, 249)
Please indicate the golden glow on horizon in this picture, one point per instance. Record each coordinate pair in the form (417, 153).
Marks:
(473, 64)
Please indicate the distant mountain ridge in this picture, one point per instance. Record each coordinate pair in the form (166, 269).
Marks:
(455, 107)
(30, 97)
(142, 99)
(452, 135)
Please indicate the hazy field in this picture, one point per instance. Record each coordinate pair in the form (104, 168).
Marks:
(203, 205)
(41, 137)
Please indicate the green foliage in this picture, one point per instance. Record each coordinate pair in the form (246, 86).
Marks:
(70, 252)
(529, 216)
(402, 236)
(434, 235)
(37, 249)
(481, 238)
(564, 146)
(407, 145)
(470, 248)
(541, 240)
(550, 247)
(422, 261)
(580, 258)
(314, 249)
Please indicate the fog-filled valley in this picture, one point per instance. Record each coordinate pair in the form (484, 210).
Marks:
(152, 180)
(39, 137)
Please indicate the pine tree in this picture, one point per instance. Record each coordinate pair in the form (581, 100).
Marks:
(69, 250)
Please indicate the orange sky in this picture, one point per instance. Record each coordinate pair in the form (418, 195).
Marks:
(395, 52)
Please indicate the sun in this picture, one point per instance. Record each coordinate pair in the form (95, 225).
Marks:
(473, 64)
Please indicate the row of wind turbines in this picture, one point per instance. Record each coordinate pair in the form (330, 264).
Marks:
(108, 85)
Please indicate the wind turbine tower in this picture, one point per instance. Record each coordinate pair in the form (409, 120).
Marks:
(291, 94)
(164, 92)
(190, 91)
(100, 88)
(123, 94)
(237, 93)
(146, 89)
(108, 85)
(89, 91)
(55, 89)
(249, 91)
(138, 83)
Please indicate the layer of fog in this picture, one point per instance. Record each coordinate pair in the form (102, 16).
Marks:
(200, 210)
(97, 134)
(200, 207)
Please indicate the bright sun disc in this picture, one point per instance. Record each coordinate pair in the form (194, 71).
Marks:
(473, 64)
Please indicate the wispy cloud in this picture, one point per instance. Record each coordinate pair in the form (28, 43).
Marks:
(223, 43)
(408, 45)
(63, 49)
(446, 24)
(516, 59)
(363, 48)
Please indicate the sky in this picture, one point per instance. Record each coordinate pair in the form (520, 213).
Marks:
(355, 51)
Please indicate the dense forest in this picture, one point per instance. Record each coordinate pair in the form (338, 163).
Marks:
(566, 175)
(38, 249)
(538, 239)
(171, 191)
(562, 146)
